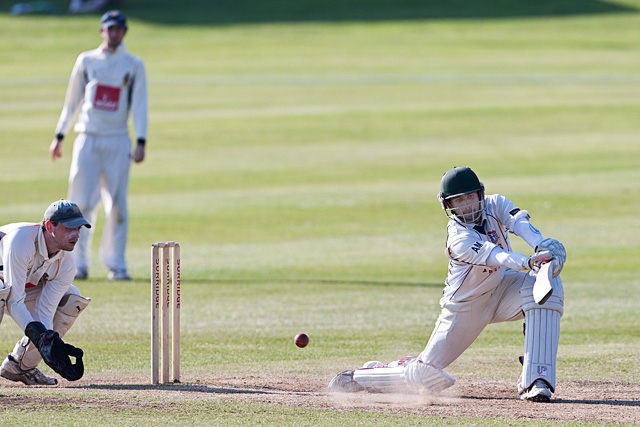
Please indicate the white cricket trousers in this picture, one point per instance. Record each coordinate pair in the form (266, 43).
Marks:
(460, 323)
(100, 172)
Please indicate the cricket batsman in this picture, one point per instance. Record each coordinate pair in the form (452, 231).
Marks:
(487, 282)
(36, 271)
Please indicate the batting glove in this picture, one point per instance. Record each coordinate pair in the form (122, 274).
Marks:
(539, 258)
(557, 250)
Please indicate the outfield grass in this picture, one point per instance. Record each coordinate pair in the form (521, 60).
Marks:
(296, 157)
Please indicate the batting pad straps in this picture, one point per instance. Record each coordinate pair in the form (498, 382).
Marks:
(427, 378)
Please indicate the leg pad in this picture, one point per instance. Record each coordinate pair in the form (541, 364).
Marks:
(411, 375)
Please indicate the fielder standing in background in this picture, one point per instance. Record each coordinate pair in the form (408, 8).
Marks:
(36, 272)
(105, 85)
(486, 283)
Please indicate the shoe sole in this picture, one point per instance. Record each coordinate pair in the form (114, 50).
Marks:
(20, 379)
(540, 398)
(9, 376)
(16, 378)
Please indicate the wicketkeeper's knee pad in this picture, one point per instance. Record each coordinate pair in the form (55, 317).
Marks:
(542, 334)
(69, 308)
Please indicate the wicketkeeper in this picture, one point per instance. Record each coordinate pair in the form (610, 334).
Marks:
(36, 291)
(486, 283)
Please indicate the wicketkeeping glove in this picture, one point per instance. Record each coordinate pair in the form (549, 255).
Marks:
(56, 352)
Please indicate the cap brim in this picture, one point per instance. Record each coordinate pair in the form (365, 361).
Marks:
(75, 222)
(112, 24)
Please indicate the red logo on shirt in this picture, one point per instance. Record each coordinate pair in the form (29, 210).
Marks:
(107, 98)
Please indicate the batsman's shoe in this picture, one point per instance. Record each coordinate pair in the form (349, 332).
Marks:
(539, 392)
(10, 370)
(344, 383)
(119, 275)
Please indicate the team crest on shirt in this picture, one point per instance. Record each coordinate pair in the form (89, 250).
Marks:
(493, 236)
(107, 98)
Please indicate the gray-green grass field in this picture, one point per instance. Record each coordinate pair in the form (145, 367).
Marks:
(295, 151)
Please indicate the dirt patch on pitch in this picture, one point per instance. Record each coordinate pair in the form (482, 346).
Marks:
(573, 401)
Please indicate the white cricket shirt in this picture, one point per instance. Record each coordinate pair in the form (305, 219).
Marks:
(105, 86)
(26, 264)
(468, 248)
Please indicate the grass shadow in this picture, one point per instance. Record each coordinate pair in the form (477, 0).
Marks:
(181, 387)
(596, 402)
(313, 281)
(227, 12)
(261, 11)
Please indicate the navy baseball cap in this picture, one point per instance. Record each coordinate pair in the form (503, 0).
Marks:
(67, 213)
(113, 17)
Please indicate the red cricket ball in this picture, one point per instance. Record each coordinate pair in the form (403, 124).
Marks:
(301, 340)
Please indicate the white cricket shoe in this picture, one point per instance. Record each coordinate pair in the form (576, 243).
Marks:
(10, 370)
(119, 275)
(539, 392)
(344, 383)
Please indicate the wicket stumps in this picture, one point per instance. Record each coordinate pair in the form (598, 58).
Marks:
(165, 302)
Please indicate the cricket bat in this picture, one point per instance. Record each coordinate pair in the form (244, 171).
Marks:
(542, 288)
